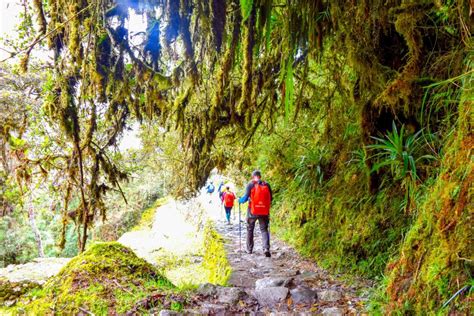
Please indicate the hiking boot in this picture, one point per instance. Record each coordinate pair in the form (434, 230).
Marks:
(248, 251)
(267, 253)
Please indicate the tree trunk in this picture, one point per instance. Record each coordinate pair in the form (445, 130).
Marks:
(36, 232)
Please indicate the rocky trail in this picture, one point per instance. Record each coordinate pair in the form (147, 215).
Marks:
(284, 284)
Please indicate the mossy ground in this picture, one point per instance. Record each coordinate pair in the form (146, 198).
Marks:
(208, 265)
(215, 259)
(108, 278)
(146, 220)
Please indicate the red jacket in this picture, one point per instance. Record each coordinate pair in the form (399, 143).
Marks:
(229, 202)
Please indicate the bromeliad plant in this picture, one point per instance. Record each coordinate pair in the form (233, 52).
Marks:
(401, 154)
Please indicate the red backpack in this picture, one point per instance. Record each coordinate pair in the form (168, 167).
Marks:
(229, 198)
(260, 199)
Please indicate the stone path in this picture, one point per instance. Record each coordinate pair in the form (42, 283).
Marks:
(283, 284)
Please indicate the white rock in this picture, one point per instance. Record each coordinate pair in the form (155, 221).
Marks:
(329, 295)
(229, 295)
(270, 296)
(272, 282)
(302, 295)
(332, 311)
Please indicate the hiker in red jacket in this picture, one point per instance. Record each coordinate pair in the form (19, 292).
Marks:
(260, 195)
(228, 198)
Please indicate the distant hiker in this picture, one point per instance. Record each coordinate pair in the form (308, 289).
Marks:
(210, 189)
(260, 195)
(219, 189)
(228, 198)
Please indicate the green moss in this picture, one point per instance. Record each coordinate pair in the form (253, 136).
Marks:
(146, 221)
(215, 258)
(436, 256)
(107, 278)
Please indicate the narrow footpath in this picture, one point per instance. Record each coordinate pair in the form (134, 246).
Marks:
(286, 283)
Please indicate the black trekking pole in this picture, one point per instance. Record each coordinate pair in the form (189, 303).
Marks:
(240, 232)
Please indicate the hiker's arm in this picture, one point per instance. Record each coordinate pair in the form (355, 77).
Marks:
(245, 198)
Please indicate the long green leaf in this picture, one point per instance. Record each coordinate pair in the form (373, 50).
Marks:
(413, 167)
(405, 159)
(246, 8)
(268, 26)
(289, 87)
(377, 166)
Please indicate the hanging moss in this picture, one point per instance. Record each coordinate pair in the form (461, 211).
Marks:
(248, 44)
(397, 94)
(102, 63)
(218, 18)
(227, 60)
(185, 13)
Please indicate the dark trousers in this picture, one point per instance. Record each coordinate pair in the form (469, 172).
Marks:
(227, 212)
(263, 222)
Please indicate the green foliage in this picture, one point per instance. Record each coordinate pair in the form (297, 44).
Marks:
(400, 152)
(215, 259)
(246, 7)
(17, 240)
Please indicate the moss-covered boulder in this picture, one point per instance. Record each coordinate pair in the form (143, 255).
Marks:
(106, 279)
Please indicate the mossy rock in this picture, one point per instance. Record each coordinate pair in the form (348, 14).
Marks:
(16, 280)
(11, 291)
(106, 279)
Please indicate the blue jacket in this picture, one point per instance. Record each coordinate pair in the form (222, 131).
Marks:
(210, 188)
(219, 189)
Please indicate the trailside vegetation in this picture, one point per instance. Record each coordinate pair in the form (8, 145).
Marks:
(359, 113)
(215, 257)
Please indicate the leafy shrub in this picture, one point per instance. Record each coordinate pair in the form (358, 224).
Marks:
(402, 154)
(17, 240)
